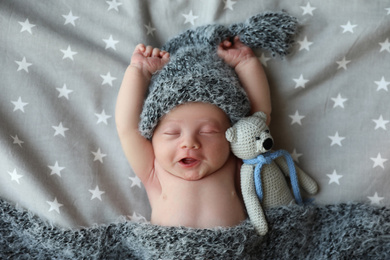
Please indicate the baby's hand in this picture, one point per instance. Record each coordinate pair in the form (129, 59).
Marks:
(148, 59)
(235, 53)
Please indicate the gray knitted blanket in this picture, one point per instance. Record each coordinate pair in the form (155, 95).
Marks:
(342, 231)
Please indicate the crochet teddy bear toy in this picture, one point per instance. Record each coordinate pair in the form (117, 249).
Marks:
(263, 182)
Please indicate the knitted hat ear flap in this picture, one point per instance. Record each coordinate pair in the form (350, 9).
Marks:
(272, 31)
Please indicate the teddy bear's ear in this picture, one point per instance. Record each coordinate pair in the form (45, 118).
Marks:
(231, 134)
(260, 115)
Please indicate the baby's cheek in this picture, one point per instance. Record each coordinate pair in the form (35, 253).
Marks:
(225, 150)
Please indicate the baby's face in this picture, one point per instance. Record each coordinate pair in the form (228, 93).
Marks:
(190, 141)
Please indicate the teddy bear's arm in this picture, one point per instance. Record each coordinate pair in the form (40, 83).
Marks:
(304, 180)
(252, 202)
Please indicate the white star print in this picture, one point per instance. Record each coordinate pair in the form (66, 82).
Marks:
(64, 92)
(305, 44)
(336, 139)
(334, 177)
(60, 130)
(378, 161)
(110, 43)
(229, 4)
(135, 181)
(137, 218)
(308, 9)
(190, 18)
(56, 169)
(339, 101)
(150, 29)
(15, 176)
(296, 118)
(96, 193)
(70, 18)
(102, 117)
(380, 123)
(23, 64)
(107, 79)
(348, 27)
(17, 140)
(301, 82)
(68, 53)
(343, 63)
(26, 26)
(382, 84)
(375, 200)
(295, 155)
(113, 5)
(388, 10)
(55, 205)
(98, 155)
(19, 104)
(385, 46)
(264, 59)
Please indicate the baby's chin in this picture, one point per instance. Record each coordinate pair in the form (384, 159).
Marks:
(193, 176)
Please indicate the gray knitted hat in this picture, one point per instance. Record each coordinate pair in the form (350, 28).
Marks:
(195, 73)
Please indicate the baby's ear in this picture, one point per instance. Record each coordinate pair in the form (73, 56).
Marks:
(231, 134)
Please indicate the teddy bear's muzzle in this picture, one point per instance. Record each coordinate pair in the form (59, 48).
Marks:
(264, 146)
(268, 143)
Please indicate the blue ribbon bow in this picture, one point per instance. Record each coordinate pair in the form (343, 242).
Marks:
(267, 158)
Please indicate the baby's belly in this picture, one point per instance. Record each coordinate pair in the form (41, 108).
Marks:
(198, 210)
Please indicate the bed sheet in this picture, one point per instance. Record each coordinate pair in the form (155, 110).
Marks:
(61, 68)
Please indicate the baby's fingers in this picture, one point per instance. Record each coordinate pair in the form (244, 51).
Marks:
(148, 51)
(238, 43)
(139, 48)
(156, 52)
(236, 39)
(225, 44)
(164, 54)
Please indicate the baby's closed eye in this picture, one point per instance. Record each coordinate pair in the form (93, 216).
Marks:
(209, 130)
(172, 133)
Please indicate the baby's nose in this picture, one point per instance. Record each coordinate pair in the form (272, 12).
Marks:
(190, 142)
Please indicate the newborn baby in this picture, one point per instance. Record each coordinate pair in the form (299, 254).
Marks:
(190, 175)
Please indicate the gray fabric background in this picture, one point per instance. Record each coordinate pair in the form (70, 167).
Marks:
(72, 193)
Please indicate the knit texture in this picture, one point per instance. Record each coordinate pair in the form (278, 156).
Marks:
(195, 73)
(342, 231)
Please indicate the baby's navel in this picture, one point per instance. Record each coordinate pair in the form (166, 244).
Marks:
(164, 196)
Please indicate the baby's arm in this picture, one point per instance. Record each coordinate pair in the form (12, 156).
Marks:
(250, 72)
(138, 150)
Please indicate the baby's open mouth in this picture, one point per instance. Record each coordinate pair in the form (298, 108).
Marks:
(188, 161)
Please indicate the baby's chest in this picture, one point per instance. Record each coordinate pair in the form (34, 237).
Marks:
(197, 205)
(207, 192)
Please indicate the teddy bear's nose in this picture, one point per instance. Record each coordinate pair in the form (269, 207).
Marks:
(268, 143)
